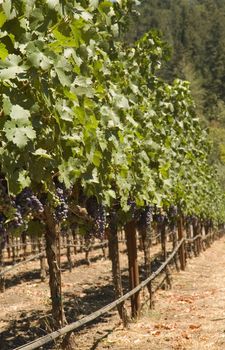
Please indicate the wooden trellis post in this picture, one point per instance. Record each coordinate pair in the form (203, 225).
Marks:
(130, 230)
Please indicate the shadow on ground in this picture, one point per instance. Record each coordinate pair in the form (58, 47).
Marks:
(31, 325)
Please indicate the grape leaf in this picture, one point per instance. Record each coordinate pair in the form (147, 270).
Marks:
(19, 134)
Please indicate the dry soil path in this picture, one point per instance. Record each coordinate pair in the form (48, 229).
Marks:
(191, 315)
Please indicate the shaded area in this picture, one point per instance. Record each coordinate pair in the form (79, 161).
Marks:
(22, 330)
(22, 277)
(31, 325)
(16, 277)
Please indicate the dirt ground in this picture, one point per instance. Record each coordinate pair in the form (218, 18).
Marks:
(190, 315)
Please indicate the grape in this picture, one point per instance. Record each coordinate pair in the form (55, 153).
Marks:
(17, 220)
(4, 197)
(62, 209)
(11, 216)
(27, 202)
(133, 208)
(2, 231)
(98, 213)
(146, 217)
(172, 212)
(160, 216)
(100, 221)
(91, 206)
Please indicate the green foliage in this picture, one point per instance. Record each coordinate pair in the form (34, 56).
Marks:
(195, 31)
(78, 104)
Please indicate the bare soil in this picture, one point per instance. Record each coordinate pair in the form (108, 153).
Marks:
(190, 315)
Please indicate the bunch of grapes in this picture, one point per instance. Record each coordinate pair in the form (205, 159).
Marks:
(100, 221)
(146, 217)
(26, 202)
(91, 206)
(133, 208)
(4, 197)
(17, 220)
(2, 230)
(160, 216)
(3, 186)
(62, 208)
(172, 211)
(98, 213)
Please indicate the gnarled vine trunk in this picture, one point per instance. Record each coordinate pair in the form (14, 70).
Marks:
(52, 239)
(145, 233)
(114, 256)
(130, 230)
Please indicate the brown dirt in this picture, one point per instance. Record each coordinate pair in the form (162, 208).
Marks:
(191, 315)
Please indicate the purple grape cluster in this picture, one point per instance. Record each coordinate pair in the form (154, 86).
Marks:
(98, 213)
(4, 197)
(146, 217)
(2, 230)
(133, 207)
(26, 202)
(91, 206)
(17, 220)
(62, 209)
(3, 187)
(172, 211)
(160, 216)
(100, 220)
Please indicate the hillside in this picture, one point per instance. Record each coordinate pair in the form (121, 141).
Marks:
(195, 33)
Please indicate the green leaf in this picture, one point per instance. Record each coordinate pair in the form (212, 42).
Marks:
(42, 153)
(109, 195)
(10, 68)
(80, 91)
(64, 41)
(83, 81)
(97, 157)
(6, 5)
(10, 73)
(24, 179)
(53, 3)
(3, 19)
(7, 106)
(121, 101)
(19, 135)
(94, 3)
(19, 113)
(64, 78)
(38, 59)
(3, 52)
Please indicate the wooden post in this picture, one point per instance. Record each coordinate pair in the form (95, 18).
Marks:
(75, 240)
(8, 246)
(42, 260)
(180, 237)
(68, 250)
(13, 250)
(114, 255)
(2, 284)
(200, 238)
(24, 244)
(162, 226)
(2, 278)
(130, 231)
(195, 233)
(174, 241)
(145, 233)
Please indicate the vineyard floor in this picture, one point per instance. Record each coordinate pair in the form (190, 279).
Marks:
(190, 315)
